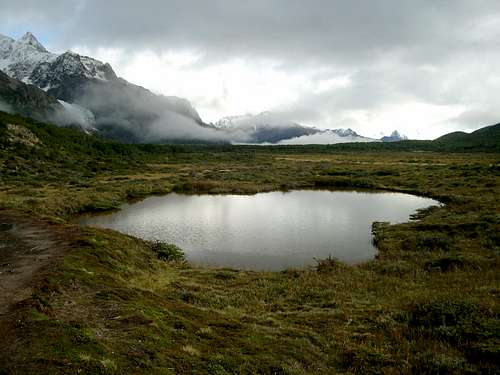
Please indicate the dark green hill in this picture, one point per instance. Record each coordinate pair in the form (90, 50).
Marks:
(31, 149)
(487, 131)
(484, 139)
(453, 137)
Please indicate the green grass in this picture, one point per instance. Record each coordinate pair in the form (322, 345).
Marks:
(429, 303)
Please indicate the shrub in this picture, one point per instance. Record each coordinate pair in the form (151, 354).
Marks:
(445, 264)
(329, 264)
(167, 252)
(487, 350)
(437, 314)
(384, 172)
(434, 241)
(430, 362)
(471, 328)
(343, 182)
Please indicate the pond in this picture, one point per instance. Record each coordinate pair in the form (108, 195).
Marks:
(266, 231)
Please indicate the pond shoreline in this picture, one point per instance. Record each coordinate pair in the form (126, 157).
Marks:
(238, 245)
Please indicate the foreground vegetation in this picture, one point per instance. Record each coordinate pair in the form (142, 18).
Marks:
(116, 304)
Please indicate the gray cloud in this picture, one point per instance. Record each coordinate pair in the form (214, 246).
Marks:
(344, 31)
(74, 115)
(131, 112)
(441, 52)
(475, 118)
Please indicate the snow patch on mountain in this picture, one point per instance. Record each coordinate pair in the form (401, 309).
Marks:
(344, 132)
(27, 60)
(70, 65)
(248, 121)
(5, 46)
(18, 58)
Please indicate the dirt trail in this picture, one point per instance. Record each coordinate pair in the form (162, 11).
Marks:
(27, 246)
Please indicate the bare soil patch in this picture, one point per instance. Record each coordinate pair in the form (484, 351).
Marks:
(27, 248)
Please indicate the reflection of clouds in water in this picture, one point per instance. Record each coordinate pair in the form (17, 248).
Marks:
(265, 231)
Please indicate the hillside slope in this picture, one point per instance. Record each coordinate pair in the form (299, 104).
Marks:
(27, 100)
(487, 137)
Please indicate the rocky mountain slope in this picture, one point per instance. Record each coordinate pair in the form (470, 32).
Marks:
(27, 100)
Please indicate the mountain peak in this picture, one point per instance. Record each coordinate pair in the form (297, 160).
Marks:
(28, 37)
(345, 132)
(31, 40)
(395, 133)
(394, 137)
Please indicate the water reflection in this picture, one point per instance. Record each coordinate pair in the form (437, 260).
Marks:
(268, 231)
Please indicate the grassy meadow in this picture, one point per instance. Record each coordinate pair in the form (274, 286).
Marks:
(429, 303)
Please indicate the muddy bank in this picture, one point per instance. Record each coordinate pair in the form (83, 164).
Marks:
(27, 247)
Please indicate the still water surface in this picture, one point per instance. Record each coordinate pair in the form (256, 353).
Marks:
(267, 231)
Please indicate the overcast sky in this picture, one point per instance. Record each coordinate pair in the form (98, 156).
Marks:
(424, 67)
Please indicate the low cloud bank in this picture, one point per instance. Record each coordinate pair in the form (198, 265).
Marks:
(324, 138)
(134, 114)
(74, 115)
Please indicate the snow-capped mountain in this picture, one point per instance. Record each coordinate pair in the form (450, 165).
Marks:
(265, 127)
(90, 89)
(248, 121)
(19, 58)
(269, 127)
(394, 137)
(50, 75)
(27, 60)
(344, 132)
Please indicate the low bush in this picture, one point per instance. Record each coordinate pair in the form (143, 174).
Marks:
(445, 264)
(167, 252)
(329, 264)
(429, 242)
(438, 314)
